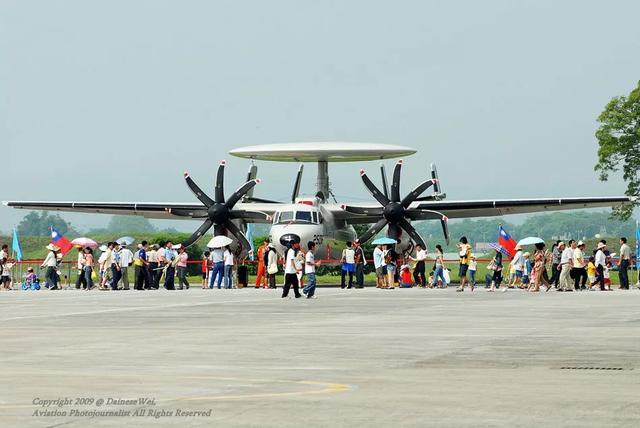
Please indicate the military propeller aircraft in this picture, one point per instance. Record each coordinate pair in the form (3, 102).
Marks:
(322, 218)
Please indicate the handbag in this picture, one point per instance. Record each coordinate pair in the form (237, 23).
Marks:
(492, 265)
(272, 269)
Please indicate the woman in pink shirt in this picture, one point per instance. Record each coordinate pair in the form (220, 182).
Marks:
(181, 270)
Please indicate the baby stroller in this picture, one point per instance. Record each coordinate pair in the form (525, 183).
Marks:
(31, 281)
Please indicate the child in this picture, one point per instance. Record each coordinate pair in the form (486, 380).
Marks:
(206, 266)
(528, 267)
(473, 266)
(607, 276)
(591, 271)
(405, 277)
(30, 278)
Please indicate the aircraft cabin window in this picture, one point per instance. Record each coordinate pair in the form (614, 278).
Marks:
(303, 216)
(315, 217)
(285, 216)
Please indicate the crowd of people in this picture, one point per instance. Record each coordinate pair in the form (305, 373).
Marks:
(566, 267)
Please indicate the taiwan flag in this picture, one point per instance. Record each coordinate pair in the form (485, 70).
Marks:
(60, 241)
(507, 242)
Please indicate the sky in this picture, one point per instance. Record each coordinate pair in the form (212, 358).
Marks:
(112, 101)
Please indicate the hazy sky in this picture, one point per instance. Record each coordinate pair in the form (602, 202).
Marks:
(113, 100)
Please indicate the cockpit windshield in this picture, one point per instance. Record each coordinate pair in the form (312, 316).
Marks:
(303, 216)
(286, 217)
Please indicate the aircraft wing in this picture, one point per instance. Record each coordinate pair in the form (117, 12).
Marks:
(152, 210)
(486, 208)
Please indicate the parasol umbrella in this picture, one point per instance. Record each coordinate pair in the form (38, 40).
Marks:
(84, 242)
(384, 241)
(219, 241)
(500, 248)
(530, 241)
(125, 240)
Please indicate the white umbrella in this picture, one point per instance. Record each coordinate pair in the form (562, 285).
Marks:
(84, 242)
(530, 241)
(219, 241)
(125, 240)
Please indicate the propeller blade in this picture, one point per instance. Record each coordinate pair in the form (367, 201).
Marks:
(385, 183)
(261, 201)
(251, 175)
(413, 233)
(235, 231)
(296, 186)
(198, 233)
(445, 228)
(395, 184)
(394, 231)
(419, 214)
(413, 195)
(202, 197)
(251, 215)
(362, 210)
(382, 199)
(434, 175)
(219, 194)
(373, 230)
(181, 212)
(238, 194)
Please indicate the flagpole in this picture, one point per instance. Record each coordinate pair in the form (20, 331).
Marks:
(637, 272)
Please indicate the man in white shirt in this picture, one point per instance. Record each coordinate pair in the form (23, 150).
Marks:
(419, 271)
(51, 263)
(625, 260)
(228, 268)
(566, 261)
(290, 272)
(126, 259)
(310, 265)
(378, 263)
(217, 267)
(348, 264)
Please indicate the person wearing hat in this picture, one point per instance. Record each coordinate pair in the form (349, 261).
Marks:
(104, 264)
(517, 264)
(126, 259)
(51, 263)
(600, 262)
(152, 258)
(361, 262)
(566, 260)
(579, 267)
(271, 264)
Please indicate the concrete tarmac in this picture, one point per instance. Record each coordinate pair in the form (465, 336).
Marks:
(349, 358)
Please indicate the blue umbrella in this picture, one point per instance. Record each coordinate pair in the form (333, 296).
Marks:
(530, 241)
(125, 240)
(384, 241)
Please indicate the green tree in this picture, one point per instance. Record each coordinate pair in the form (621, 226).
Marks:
(40, 223)
(619, 145)
(126, 223)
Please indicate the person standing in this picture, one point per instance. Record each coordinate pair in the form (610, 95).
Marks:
(291, 271)
(142, 268)
(152, 258)
(205, 268)
(104, 264)
(272, 265)
(361, 262)
(579, 267)
(310, 271)
(181, 266)
(87, 268)
(439, 268)
(465, 255)
(517, 265)
(162, 263)
(261, 278)
(566, 259)
(51, 263)
(116, 267)
(378, 264)
(169, 257)
(81, 281)
(391, 263)
(496, 277)
(229, 262)
(625, 261)
(555, 262)
(600, 262)
(348, 265)
(126, 259)
(420, 270)
(217, 269)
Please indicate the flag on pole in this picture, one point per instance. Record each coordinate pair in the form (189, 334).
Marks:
(60, 241)
(637, 246)
(16, 247)
(507, 242)
(250, 239)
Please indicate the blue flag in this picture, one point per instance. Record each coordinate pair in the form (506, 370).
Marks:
(16, 247)
(250, 239)
(637, 248)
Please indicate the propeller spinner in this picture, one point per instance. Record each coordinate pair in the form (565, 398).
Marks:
(395, 211)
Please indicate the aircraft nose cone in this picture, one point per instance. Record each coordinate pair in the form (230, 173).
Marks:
(289, 238)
